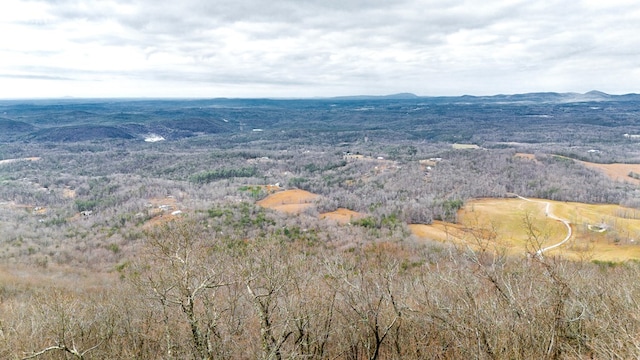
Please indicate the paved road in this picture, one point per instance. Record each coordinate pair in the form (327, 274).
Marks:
(551, 216)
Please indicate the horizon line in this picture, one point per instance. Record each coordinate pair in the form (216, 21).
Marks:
(398, 96)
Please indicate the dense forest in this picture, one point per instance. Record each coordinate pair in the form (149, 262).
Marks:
(132, 228)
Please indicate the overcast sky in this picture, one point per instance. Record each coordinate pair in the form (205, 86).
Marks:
(308, 48)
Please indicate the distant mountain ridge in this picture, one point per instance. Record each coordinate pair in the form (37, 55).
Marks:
(399, 96)
(440, 118)
(593, 95)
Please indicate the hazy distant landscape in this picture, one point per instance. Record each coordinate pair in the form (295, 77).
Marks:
(398, 226)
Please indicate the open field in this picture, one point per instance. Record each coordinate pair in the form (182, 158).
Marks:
(465, 146)
(290, 201)
(296, 201)
(342, 215)
(10, 161)
(617, 171)
(600, 232)
(526, 156)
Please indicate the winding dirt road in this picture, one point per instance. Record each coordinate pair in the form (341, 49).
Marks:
(550, 215)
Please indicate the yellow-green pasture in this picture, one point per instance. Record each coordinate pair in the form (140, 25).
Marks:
(516, 226)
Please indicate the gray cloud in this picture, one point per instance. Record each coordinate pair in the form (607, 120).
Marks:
(425, 46)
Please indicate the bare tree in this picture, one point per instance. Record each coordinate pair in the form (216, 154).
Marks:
(181, 269)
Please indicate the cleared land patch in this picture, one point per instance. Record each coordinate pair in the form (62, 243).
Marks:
(342, 216)
(465, 146)
(527, 156)
(34, 210)
(68, 193)
(161, 211)
(296, 201)
(290, 201)
(518, 226)
(9, 161)
(616, 171)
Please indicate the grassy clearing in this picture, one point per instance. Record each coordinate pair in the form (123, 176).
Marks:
(342, 216)
(501, 224)
(465, 146)
(617, 172)
(531, 157)
(10, 161)
(290, 201)
(296, 201)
